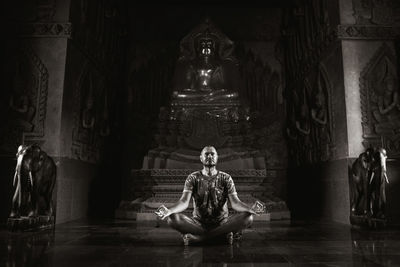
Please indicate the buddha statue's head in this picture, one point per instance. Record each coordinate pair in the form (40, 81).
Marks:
(206, 44)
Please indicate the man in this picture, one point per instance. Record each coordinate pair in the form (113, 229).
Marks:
(210, 190)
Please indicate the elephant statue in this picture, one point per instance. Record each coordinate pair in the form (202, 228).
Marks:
(377, 183)
(34, 181)
(359, 178)
(367, 183)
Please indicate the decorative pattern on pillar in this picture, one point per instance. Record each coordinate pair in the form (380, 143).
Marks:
(382, 12)
(261, 82)
(379, 90)
(90, 116)
(27, 101)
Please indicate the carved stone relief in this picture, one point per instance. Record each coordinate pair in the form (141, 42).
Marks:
(310, 123)
(261, 82)
(50, 29)
(98, 30)
(322, 117)
(45, 10)
(86, 140)
(308, 36)
(379, 12)
(27, 99)
(367, 32)
(379, 90)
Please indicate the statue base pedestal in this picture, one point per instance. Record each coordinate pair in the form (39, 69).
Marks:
(366, 221)
(164, 187)
(30, 223)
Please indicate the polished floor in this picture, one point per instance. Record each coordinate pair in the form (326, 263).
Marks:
(126, 243)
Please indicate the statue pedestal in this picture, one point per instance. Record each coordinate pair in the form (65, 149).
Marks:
(30, 223)
(187, 127)
(184, 129)
(164, 187)
(366, 221)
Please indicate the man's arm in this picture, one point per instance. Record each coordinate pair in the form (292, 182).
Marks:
(179, 206)
(182, 203)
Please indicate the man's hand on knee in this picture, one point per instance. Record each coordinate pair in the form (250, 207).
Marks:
(163, 212)
(257, 208)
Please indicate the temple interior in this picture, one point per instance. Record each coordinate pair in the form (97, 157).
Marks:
(106, 106)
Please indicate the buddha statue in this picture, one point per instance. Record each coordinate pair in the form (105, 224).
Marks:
(205, 77)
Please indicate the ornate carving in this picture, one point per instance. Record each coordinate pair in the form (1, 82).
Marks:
(86, 141)
(45, 10)
(40, 29)
(379, 90)
(380, 12)
(308, 35)
(27, 101)
(322, 118)
(367, 32)
(310, 120)
(261, 82)
(98, 30)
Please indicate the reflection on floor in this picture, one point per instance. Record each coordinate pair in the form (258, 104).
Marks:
(126, 243)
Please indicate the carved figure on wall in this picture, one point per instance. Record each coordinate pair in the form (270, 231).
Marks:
(374, 11)
(319, 116)
(20, 99)
(387, 113)
(303, 127)
(34, 181)
(379, 90)
(105, 120)
(206, 70)
(291, 130)
(88, 112)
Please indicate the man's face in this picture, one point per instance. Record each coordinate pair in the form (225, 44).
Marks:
(209, 156)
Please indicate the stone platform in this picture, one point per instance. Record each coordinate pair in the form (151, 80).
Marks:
(22, 224)
(365, 221)
(164, 186)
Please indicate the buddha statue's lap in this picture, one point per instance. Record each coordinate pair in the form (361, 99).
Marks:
(213, 95)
